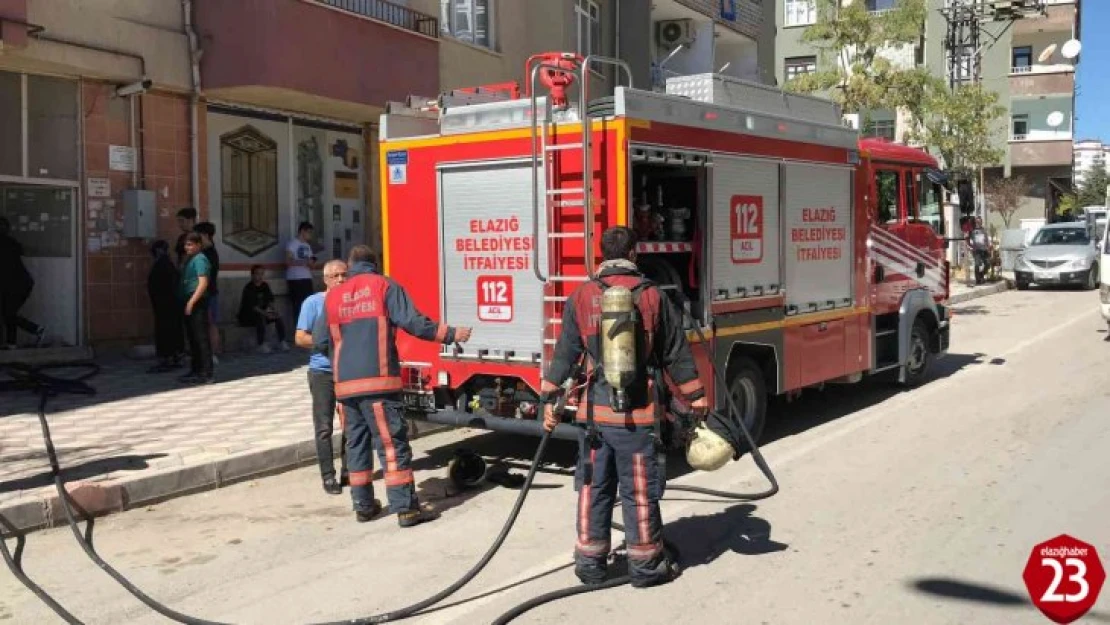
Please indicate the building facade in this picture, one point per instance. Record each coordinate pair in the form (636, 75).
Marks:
(488, 41)
(1024, 62)
(259, 113)
(1090, 154)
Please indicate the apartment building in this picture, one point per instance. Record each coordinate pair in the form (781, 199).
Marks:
(1023, 61)
(488, 41)
(1090, 154)
(112, 118)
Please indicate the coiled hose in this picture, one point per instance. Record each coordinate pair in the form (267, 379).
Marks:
(34, 379)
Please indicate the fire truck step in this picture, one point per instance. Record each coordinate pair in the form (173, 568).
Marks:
(566, 235)
(555, 320)
(563, 146)
(564, 190)
(568, 278)
(555, 298)
(567, 203)
(550, 341)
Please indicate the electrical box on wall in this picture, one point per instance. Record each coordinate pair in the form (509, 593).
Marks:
(139, 214)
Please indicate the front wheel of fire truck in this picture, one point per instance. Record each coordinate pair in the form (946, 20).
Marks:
(919, 358)
(749, 395)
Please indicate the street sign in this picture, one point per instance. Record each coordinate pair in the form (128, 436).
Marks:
(1064, 577)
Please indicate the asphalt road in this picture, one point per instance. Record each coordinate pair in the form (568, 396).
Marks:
(896, 507)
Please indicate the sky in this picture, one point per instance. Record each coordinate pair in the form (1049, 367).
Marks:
(1091, 118)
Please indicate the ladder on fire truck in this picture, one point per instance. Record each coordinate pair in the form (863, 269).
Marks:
(558, 195)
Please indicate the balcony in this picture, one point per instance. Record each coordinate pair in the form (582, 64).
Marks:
(335, 58)
(740, 15)
(1060, 18)
(1042, 151)
(1041, 131)
(1042, 80)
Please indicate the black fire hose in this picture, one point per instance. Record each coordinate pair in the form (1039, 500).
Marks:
(757, 456)
(33, 379)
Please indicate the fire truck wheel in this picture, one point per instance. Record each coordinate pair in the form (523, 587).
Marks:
(749, 395)
(919, 358)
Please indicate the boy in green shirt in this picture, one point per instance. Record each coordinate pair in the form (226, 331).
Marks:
(195, 279)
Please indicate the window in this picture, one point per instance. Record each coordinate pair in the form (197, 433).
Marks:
(887, 191)
(248, 172)
(800, 12)
(881, 5)
(1019, 126)
(929, 209)
(1022, 58)
(882, 129)
(468, 20)
(911, 197)
(587, 16)
(42, 110)
(800, 65)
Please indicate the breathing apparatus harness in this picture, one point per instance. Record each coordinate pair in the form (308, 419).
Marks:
(46, 385)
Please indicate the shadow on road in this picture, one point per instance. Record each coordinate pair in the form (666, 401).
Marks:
(973, 592)
(701, 539)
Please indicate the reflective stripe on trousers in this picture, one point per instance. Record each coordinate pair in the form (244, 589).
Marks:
(624, 458)
(379, 424)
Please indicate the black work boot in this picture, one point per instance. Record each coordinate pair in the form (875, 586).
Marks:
(332, 487)
(663, 570)
(590, 571)
(362, 516)
(410, 518)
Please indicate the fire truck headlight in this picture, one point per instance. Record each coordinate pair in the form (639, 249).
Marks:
(443, 378)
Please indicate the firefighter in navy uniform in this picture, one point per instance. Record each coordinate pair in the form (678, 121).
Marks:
(359, 327)
(620, 447)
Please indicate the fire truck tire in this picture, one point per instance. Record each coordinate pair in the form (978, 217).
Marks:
(749, 394)
(919, 358)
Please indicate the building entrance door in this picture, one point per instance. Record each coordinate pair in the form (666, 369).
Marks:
(43, 222)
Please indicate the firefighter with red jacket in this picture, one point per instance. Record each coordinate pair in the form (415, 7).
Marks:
(621, 446)
(359, 327)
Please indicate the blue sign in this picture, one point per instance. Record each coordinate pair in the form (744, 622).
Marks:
(398, 163)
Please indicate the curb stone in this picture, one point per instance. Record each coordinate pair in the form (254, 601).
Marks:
(100, 498)
(1002, 285)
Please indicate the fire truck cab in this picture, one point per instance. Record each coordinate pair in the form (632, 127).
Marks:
(803, 255)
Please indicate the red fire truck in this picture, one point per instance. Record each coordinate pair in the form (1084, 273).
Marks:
(805, 255)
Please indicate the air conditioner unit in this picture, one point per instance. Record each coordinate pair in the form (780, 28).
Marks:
(673, 33)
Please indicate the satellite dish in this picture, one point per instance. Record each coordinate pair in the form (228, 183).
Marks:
(1046, 53)
(1071, 48)
(1055, 118)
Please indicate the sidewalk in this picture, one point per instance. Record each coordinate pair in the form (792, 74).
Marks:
(144, 438)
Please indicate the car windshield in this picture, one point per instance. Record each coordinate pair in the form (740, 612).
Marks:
(1061, 236)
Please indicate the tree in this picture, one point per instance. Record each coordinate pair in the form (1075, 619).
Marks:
(1068, 205)
(1092, 191)
(957, 124)
(1004, 196)
(854, 69)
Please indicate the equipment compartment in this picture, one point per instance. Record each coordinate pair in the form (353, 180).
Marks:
(667, 209)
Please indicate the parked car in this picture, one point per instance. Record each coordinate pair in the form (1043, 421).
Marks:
(1104, 287)
(1060, 253)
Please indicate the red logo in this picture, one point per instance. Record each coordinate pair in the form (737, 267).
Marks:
(1064, 576)
(746, 221)
(495, 298)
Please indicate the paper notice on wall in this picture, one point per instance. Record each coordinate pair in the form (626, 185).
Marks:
(93, 245)
(121, 158)
(99, 187)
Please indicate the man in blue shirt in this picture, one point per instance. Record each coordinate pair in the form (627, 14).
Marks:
(320, 382)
